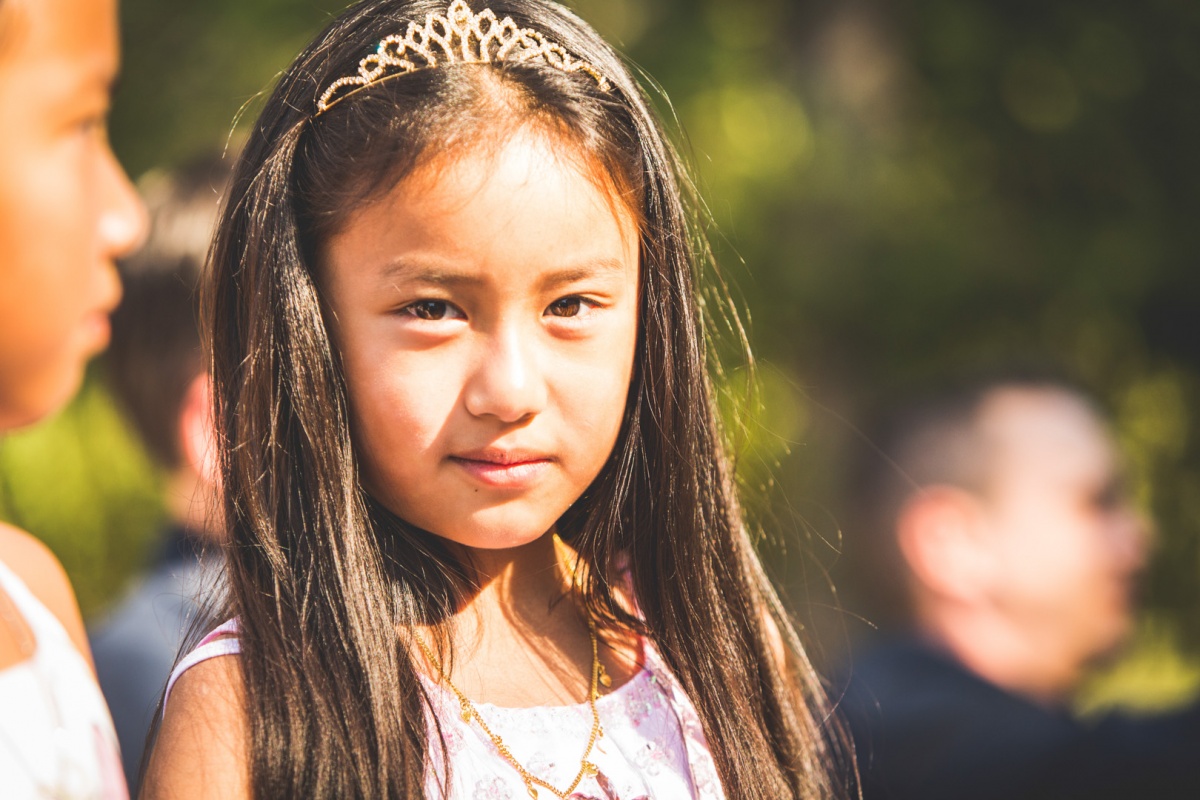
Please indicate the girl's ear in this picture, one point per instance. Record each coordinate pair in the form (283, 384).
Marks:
(940, 536)
(197, 440)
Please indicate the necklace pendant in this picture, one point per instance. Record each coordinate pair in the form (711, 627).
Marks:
(466, 711)
(589, 769)
(532, 791)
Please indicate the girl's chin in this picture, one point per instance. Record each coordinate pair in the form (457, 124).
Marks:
(496, 540)
(479, 531)
(41, 394)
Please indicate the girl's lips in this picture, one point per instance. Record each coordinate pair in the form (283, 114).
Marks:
(504, 474)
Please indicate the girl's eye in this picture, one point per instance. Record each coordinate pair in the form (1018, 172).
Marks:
(566, 307)
(95, 125)
(431, 310)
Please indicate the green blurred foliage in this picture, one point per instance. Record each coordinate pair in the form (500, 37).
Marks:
(190, 68)
(82, 483)
(898, 190)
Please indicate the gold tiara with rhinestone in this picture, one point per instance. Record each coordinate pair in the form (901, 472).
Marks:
(457, 36)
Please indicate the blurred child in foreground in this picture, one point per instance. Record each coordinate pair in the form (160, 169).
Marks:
(67, 212)
(156, 369)
(1002, 518)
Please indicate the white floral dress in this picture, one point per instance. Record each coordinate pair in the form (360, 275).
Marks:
(652, 748)
(652, 745)
(56, 736)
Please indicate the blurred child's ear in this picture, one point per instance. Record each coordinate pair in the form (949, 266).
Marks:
(937, 531)
(197, 440)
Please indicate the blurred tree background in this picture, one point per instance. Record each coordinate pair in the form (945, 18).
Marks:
(899, 190)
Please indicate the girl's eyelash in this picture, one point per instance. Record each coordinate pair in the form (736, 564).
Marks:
(432, 310)
(93, 118)
(436, 311)
(572, 303)
(92, 125)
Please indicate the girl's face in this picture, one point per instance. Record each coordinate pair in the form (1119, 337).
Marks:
(67, 210)
(486, 310)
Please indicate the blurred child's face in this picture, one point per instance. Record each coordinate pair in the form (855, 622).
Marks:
(1069, 540)
(66, 208)
(487, 312)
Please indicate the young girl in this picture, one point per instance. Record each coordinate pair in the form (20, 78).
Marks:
(67, 211)
(483, 538)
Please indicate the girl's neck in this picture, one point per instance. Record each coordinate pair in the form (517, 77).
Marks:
(519, 620)
(533, 574)
(520, 638)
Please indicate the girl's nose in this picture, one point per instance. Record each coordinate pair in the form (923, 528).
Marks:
(123, 222)
(508, 383)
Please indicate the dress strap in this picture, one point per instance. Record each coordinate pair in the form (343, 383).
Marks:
(211, 646)
(46, 628)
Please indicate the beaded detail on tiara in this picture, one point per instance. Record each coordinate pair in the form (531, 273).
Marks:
(458, 36)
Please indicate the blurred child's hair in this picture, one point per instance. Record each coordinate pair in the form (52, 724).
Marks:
(155, 351)
(322, 576)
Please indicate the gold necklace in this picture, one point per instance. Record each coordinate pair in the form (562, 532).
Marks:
(586, 767)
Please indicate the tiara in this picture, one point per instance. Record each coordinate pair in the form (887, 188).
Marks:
(457, 36)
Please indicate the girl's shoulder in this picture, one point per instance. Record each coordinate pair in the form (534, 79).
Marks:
(38, 568)
(202, 748)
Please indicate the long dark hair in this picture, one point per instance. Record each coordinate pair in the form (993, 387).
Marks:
(325, 581)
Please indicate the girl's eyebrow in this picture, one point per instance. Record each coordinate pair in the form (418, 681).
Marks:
(416, 272)
(600, 267)
(97, 82)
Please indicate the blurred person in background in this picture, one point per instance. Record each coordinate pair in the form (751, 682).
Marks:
(1002, 522)
(156, 369)
(67, 212)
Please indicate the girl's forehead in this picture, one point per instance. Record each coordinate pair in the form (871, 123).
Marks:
(529, 154)
(496, 183)
(529, 198)
(80, 32)
(58, 61)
